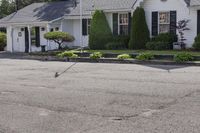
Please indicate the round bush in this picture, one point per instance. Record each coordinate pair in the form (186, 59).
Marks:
(183, 57)
(158, 46)
(2, 41)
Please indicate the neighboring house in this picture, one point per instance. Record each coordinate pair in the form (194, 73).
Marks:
(26, 27)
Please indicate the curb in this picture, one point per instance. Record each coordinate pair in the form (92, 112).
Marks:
(110, 60)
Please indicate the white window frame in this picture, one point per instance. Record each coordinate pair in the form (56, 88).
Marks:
(163, 23)
(124, 13)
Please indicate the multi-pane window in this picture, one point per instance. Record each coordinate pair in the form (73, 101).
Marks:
(86, 27)
(164, 22)
(123, 24)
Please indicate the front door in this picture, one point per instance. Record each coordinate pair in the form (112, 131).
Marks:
(26, 40)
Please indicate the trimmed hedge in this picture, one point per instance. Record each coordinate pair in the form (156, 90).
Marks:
(163, 41)
(100, 32)
(158, 46)
(2, 41)
(196, 44)
(122, 39)
(139, 30)
(165, 37)
(115, 46)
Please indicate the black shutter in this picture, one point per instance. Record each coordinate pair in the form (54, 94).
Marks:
(84, 27)
(154, 23)
(173, 17)
(37, 35)
(198, 22)
(115, 23)
(129, 23)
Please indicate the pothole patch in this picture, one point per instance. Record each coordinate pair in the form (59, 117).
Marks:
(6, 92)
(44, 112)
(149, 113)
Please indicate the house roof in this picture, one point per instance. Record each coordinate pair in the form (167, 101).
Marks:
(194, 2)
(90, 5)
(39, 12)
(45, 12)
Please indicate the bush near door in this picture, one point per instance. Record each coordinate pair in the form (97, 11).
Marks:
(2, 41)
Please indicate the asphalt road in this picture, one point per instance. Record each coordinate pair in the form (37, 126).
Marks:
(98, 98)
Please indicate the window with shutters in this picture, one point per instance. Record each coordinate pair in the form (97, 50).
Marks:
(164, 22)
(123, 24)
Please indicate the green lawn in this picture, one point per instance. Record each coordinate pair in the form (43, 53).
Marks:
(168, 52)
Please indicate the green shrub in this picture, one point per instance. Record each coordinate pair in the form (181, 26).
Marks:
(183, 57)
(158, 46)
(96, 55)
(165, 37)
(122, 39)
(2, 41)
(59, 37)
(196, 44)
(145, 56)
(115, 46)
(124, 56)
(69, 54)
(100, 32)
(139, 30)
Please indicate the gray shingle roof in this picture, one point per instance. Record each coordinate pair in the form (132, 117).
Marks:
(39, 12)
(194, 2)
(89, 5)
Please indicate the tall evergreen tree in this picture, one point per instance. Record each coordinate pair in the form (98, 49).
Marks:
(139, 30)
(100, 32)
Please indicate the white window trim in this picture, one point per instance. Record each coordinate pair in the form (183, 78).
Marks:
(159, 19)
(119, 21)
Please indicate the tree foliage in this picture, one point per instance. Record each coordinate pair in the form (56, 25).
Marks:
(59, 37)
(139, 30)
(100, 32)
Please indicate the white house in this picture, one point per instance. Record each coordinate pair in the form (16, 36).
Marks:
(26, 27)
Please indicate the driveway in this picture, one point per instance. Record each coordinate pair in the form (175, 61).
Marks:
(98, 98)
